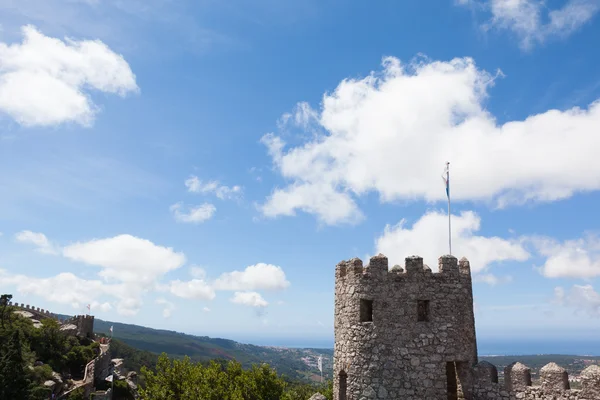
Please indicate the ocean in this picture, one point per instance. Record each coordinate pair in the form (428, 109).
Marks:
(485, 347)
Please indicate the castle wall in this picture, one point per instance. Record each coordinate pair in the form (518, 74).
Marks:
(554, 383)
(84, 323)
(102, 367)
(395, 355)
(38, 313)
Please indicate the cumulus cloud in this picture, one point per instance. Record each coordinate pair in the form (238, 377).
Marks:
(576, 258)
(428, 238)
(251, 299)
(197, 272)
(391, 132)
(195, 289)
(492, 279)
(223, 192)
(103, 307)
(68, 289)
(583, 298)
(47, 81)
(168, 307)
(131, 267)
(254, 277)
(126, 258)
(64, 288)
(195, 214)
(532, 21)
(38, 239)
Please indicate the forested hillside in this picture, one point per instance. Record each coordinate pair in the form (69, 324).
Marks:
(300, 364)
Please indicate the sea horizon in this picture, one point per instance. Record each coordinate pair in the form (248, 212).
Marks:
(485, 347)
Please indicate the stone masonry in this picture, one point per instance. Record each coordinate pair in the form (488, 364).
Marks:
(409, 333)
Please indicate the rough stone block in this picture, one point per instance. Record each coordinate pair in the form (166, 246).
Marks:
(554, 377)
(378, 265)
(413, 264)
(590, 382)
(448, 264)
(486, 373)
(464, 266)
(517, 376)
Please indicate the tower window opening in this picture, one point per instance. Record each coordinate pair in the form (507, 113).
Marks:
(343, 386)
(366, 310)
(422, 310)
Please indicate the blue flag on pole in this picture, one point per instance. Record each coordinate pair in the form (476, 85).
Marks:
(446, 178)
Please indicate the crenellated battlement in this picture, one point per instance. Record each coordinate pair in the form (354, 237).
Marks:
(84, 323)
(353, 272)
(553, 383)
(38, 312)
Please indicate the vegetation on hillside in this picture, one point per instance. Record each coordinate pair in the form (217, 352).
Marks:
(298, 364)
(29, 355)
(226, 380)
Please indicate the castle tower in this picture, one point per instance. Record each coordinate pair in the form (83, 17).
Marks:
(403, 334)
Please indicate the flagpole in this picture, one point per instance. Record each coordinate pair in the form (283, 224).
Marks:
(112, 372)
(449, 213)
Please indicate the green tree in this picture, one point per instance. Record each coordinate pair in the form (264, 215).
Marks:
(13, 381)
(4, 310)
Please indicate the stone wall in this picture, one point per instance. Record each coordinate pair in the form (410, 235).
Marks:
(84, 323)
(404, 333)
(554, 383)
(102, 367)
(38, 313)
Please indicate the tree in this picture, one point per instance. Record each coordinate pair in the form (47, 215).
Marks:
(4, 300)
(13, 381)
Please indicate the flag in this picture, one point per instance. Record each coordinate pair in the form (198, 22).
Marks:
(446, 178)
(88, 307)
(111, 329)
(320, 363)
(109, 378)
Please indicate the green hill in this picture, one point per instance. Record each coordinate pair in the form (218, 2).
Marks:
(297, 364)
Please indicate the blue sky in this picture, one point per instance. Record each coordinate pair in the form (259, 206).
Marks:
(203, 166)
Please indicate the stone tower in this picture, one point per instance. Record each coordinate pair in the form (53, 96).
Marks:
(404, 334)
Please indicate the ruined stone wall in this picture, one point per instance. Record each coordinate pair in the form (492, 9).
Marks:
(38, 313)
(102, 367)
(554, 383)
(84, 323)
(421, 332)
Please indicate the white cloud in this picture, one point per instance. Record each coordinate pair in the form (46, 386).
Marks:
(64, 288)
(126, 258)
(45, 81)
(102, 307)
(206, 309)
(251, 299)
(197, 272)
(38, 239)
(578, 258)
(492, 279)
(526, 18)
(68, 289)
(195, 215)
(129, 306)
(583, 298)
(428, 238)
(194, 289)
(168, 307)
(391, 133)
(254, 277)
(131, 268)
(223, 192)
